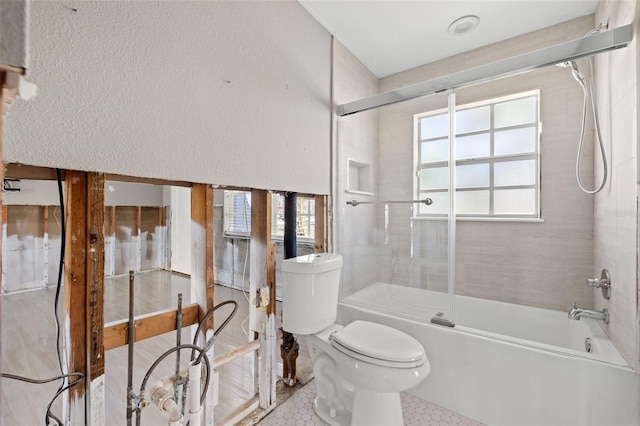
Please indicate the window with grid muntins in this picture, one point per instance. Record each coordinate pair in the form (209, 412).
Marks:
(497, 159)
(237, 214)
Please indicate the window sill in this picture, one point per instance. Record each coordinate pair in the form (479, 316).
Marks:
(486, 219)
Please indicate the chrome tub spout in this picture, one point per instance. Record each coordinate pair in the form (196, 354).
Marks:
(576, 313)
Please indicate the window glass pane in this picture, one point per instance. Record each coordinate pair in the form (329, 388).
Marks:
(475, 146)
(513, 113)
(472, 175)
(303, 205)
(437, 150)
(514, 201)
(440, 203)
(510, 173)
(237, 211)
(277, 215)
(473, 120)
(434, 178)
(516, 141)
(472, 202)
(435, 126)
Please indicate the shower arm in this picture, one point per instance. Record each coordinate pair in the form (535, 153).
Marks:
(426, 202)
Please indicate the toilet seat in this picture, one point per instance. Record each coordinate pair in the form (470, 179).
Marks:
(378, 344)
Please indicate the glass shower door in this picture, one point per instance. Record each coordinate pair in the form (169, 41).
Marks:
(396, 237)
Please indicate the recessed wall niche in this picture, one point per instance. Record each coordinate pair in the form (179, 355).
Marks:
(359, 177)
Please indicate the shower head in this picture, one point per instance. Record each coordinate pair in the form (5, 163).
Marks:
(577, 74)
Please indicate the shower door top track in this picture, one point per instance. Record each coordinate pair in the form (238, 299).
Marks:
(589, 45)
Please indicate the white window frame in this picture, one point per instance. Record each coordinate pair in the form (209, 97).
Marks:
(491, 160)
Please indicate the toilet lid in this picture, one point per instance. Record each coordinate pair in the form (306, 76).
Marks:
(379, 342)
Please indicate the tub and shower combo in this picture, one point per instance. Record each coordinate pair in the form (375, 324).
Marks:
(507, 364)
(486, 160)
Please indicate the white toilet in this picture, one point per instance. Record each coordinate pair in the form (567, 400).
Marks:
(360, 368)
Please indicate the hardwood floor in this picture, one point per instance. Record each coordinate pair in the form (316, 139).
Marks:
(28, 348)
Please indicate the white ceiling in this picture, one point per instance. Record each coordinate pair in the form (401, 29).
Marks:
(393, 36)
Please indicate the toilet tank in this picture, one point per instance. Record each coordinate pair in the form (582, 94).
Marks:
(310, 287)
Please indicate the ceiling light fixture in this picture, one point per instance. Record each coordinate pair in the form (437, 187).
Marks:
(463, 25)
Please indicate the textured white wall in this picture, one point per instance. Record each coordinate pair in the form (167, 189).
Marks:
(229, 93)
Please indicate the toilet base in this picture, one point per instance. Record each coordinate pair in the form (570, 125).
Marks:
(321, 407)
(369, 409)
(376, 409)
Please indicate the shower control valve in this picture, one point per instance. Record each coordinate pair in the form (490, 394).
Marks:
(604, 282)
(594, 282)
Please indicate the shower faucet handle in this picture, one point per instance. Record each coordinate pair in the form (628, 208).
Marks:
(594, 282)
(604, 283)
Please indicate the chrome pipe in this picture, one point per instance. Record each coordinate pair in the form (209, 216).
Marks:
(178, 342)
(130, 338)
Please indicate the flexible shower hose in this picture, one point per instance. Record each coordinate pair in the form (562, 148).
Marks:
(587, 90)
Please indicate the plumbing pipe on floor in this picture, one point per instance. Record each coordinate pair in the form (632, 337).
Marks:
(195, 408)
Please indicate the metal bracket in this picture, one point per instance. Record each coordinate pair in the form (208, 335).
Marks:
(440, 319)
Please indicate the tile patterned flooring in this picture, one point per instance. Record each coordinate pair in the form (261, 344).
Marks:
(298, 411)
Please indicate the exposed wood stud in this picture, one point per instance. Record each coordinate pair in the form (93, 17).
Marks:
(202, 247)
(75, 288)
(271, 278)
(112, 222)
(3, 210)
(262, 273)
(320, 236)
(202, 244)
(111, 237)
(95, 296)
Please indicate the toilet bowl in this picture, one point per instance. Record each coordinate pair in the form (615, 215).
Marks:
(360, 368)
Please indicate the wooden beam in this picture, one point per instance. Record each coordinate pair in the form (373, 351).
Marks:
(236, 353)
(260, 269)
(3, 211)
(150, 181)
(23, 171)
(148, 325)
(262, 278)
(95, 298)
(320, 236)
(202, 272)
(75, 289)
(110, 242)
(202, 248)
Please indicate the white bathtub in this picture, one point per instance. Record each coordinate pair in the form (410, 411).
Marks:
(506, 364)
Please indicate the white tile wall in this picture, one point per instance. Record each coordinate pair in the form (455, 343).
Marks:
(616, 221)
